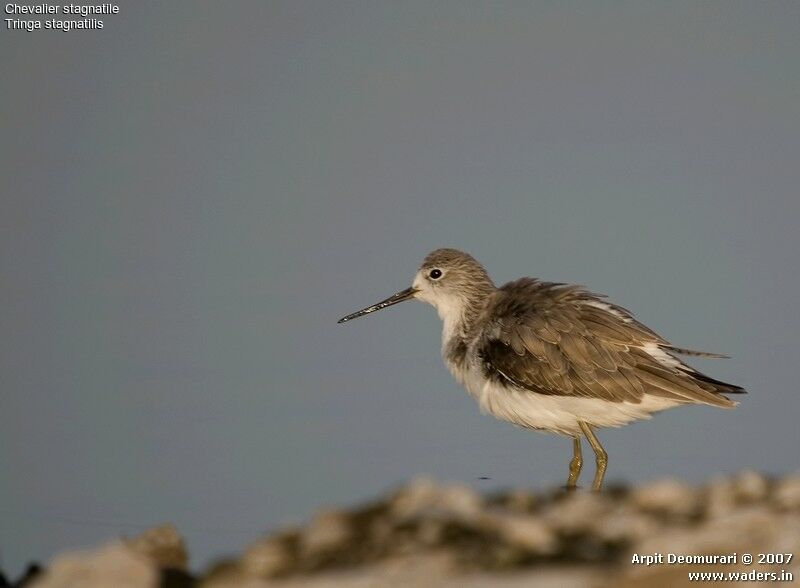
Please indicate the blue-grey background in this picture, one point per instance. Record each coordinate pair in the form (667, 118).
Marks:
(193, 196)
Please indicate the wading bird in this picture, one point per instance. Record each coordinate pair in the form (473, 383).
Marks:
(553, 357)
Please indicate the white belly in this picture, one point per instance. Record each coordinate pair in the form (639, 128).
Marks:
(557, 414)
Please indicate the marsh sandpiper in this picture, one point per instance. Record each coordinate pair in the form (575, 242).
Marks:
(553, 357)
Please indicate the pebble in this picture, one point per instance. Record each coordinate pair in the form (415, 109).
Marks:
(787, 493)
(515, 532)
(666, 497)
(163, 545)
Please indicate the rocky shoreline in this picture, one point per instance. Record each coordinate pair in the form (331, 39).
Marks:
(427, 534)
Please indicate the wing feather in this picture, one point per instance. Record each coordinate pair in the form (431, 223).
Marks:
(535, 345)
(561, 340)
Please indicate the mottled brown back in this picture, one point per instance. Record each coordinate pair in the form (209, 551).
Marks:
(558, 339)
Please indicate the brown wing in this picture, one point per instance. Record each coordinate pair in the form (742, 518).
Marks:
(557, 339)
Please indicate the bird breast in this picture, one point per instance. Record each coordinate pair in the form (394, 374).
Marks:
(525, 408)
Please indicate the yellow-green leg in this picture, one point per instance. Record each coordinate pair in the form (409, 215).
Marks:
(575, 464)
(600, 455)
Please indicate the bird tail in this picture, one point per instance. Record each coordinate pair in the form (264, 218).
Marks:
(716, 388)
(682, 351)
(720, 387)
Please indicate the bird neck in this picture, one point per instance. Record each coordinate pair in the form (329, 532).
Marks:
(459, 314)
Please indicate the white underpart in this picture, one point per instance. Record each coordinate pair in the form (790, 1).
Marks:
(450, 310)
(557, 414)
(524, 408)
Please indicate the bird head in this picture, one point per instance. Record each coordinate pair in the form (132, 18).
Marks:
(448, 279)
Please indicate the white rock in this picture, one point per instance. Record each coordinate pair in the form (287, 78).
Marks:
(577, 512)
(666, 496)
(163, 545)
(787, 493)
(327, 531)
(528, 532)
(114, 565)
(265, 559)
(626, 524)
(424, 498)
(751, 486)
(720, 497)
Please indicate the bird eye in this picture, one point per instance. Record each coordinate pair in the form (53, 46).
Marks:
(435, 274)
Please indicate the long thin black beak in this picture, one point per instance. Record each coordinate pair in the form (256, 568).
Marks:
(406, 294)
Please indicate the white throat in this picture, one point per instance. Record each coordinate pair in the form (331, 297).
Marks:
(451, 311)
